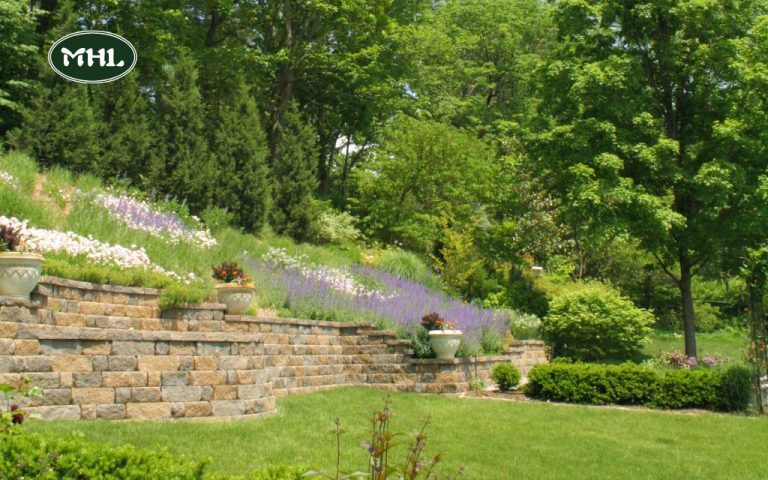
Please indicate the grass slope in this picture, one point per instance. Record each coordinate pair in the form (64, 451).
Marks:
(491, 439)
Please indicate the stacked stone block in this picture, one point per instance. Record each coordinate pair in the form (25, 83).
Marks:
(108, 352)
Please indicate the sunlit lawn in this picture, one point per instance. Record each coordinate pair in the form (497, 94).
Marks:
(729, 343)
(491, 439)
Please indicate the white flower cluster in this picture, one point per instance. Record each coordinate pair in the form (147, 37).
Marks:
(335, 278)
(8, 179)
(39, 240)
(140, 215)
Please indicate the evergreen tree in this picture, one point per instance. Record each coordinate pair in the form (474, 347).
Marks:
(294, 177)
(61, 128)
(186, 170)
(240, 149)
(130, 142)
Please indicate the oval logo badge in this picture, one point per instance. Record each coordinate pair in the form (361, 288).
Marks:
(92, 56)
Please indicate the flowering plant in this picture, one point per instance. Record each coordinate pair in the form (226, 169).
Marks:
(231, 273)
(140, 215)
(10, 238)
(433, 321)
(13, 414)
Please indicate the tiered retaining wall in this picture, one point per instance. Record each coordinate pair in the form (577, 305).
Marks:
(101, 351)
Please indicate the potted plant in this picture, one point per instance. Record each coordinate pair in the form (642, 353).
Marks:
(234, 288)
(443, 337)
(19, 271)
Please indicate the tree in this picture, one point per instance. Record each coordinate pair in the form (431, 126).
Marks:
(131, 144)
(476, 62)
(61, 128)
(17, 49)
(293, 176)
(186, 168)
(240, 148)
(633, 98)
(420, 168)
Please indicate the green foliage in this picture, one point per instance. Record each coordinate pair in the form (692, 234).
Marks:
(524, 326)
(131, 141)
(406, 265)
(293, 171)
(186, 168)
(506, 376)
(695, 388)
(736, 389)
(177, 295)
(420, 168)
(632, 384)
(380, 450)
(420, 343)
(595, 323)
(476, 384)
(45, 458)
(241, 159)
(18, 46)
(61, 128)
(336, 227)
(78, 268)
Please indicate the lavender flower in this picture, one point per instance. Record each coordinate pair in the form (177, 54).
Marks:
(313, 290)
(140, 215)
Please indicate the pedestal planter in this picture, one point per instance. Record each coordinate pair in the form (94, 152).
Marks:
(445, 343)
(236, 297)
(19, 273)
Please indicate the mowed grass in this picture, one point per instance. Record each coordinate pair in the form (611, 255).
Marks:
(731, 343)
(491, 439)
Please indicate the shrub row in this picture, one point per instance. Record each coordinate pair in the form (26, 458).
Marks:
(70, 458)
(630, 384)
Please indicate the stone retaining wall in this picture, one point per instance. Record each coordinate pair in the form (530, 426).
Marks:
(108, 352)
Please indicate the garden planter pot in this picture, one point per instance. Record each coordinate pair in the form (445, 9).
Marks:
(445, 343)
(236, 297)
(19, 273)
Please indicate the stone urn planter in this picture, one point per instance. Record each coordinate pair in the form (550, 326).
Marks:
(236, 297)
(19, 273)
(445, 343)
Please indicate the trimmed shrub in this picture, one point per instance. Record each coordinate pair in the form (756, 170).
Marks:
(33, 456)
(631, 384)
(626, 384)
(506, 376)
(595, 323)
(736, 389)
(695, 388)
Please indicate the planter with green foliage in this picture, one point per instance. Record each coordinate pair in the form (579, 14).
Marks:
(234, 291)
(445, 341)
(19, 271)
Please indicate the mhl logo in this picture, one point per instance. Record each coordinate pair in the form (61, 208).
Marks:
(92, 56)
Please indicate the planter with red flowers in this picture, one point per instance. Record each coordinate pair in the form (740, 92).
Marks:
(443, 337)
(19, 271)
(234, 288)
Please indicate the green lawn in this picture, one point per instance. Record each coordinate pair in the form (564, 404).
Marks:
(491, 439)
(730, 343)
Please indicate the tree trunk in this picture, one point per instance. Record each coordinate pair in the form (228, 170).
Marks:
(686, 293)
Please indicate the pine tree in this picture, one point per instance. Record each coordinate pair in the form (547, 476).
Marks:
(61, 128)
(293, 171)
(130, 140)
(185, 169)
(240, 149)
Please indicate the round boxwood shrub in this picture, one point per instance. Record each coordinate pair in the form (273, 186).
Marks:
(506, 376)
(595, 323)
